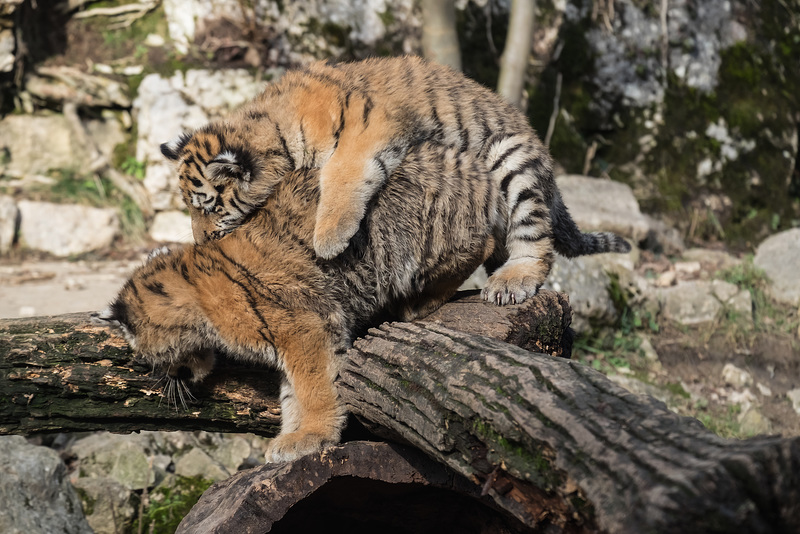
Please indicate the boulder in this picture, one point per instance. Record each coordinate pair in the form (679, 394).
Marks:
(597, 204)
(700, 301)
(35, 144)
(172, 226)
(106, 503)
(779, 257)
(197, 463)
(9, 215)
(586, 282)
(66, 229)
(36, 496)
(120, 457)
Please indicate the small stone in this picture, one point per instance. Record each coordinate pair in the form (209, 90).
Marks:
(736, 377)
(666, 279)
(27, 311)
(764, 390)
(752, 422)
(109, 503)
(8, 223)
(687, 267)
(794, 397)
(154, 40)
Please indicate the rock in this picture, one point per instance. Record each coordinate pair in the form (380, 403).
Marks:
(597, 204)
(120, 457)
(794, 397)
(713, 260)
(231, 453)
(752, 422)
(36, 144)
(197, 463)
(167, 107)
(700, 301)
(172, 226)
(9, 218)
(36, 495)
(764, 390)
(7, 46)
(66, 229)
(779, 257)
(690, 268)
(106, 503)
(586, 282)
(736, 377)
(662, 238)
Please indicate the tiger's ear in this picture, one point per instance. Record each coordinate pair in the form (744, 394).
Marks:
(172, 150)
(228, 166)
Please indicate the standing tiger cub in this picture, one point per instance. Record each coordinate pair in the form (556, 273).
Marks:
(259, 293)
(356, 122)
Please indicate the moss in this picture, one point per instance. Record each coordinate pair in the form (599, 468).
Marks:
(168, 505)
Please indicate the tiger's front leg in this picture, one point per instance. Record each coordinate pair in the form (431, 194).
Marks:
(311, 414)
(350, 178)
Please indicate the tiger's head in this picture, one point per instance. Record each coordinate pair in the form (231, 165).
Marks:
(223, 177)
(154, 313)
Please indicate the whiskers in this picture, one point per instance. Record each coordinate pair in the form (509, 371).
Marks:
(174, 391)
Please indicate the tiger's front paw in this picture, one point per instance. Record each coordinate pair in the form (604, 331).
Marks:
(332, 233)
(515, 281)
(291, 446)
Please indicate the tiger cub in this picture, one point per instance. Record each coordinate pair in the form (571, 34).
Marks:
(356, 122)
(259, 293)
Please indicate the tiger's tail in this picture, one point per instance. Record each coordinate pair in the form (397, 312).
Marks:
(569, 241)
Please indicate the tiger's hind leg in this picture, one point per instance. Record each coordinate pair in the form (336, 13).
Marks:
(526, 182)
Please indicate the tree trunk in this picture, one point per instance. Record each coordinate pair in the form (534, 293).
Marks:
(514, 62)
(439, 38)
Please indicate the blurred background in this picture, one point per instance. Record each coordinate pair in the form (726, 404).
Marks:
(672, 122)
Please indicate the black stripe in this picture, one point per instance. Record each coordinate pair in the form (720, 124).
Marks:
(338, 132)
(156, 287)
(254, 306)
(533, 163)
(505, 156)
(195, 181)
(368, 105)
(533, 218)
(285, 147)
(531, 239)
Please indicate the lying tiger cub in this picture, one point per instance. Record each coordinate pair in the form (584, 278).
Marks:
(356, 122)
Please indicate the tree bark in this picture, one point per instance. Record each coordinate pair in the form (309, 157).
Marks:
(439, 38)
(514, 61)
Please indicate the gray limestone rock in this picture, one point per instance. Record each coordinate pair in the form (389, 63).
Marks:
(66, 229)
(700, 301)
(597, 204)
(35, 494)
(106, 503)
(779, 257)
(9, 215)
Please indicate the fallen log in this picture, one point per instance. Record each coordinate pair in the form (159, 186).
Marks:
(62, 374)
(548, 444)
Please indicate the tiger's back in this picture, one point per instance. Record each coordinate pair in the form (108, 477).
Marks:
(356, 122)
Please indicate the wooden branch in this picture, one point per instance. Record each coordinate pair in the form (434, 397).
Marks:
(61, 374)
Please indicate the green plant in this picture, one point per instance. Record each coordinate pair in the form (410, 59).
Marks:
(134, 167)
(168, 505)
